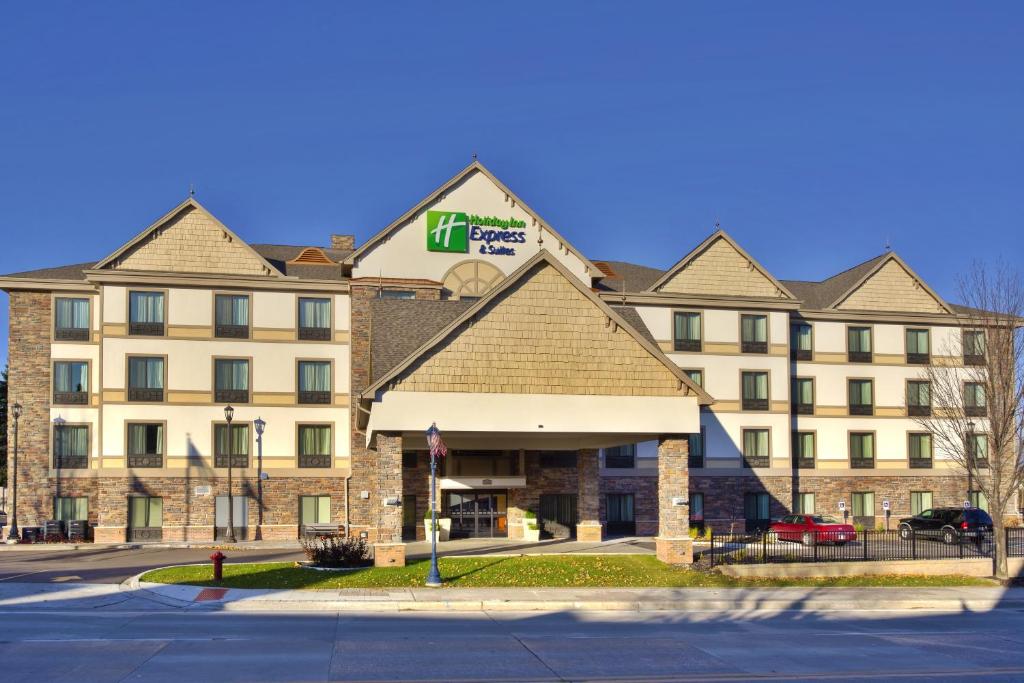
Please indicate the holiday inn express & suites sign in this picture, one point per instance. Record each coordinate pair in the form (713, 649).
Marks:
(453, 231)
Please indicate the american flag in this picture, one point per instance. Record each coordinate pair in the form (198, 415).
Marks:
(437, 447)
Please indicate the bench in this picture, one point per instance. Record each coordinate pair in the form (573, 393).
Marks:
(317, 530)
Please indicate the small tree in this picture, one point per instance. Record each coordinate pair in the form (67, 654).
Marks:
(977, 415)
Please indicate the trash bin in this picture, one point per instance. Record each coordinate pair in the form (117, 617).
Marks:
(31, 534)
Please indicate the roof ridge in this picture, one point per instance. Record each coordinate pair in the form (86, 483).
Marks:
(854, 267)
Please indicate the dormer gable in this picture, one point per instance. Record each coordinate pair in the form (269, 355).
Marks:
(891, 285)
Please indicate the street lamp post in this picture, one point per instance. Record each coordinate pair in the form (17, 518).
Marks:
(12, 533)
(259, 424)
(229, 414)
(970, 460)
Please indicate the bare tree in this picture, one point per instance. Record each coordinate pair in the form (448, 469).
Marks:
(977, 415)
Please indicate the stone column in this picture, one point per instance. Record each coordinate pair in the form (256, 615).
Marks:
(588, 506)
(388, 550)
(673, 544)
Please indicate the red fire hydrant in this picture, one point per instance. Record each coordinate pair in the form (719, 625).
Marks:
(218, 565)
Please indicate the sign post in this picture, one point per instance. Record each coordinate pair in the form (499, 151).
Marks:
(437, 448)
(888, 511)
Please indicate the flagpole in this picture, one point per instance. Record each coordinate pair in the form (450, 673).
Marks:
(434, 576)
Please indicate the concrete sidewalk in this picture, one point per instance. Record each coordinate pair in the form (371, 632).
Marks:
(959, 599)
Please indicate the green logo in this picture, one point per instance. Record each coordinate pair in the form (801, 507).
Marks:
(447, 231)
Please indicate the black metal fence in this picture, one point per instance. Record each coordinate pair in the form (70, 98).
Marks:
(862, 546)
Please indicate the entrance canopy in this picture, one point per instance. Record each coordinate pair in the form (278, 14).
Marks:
(539, 362)
(532, 421)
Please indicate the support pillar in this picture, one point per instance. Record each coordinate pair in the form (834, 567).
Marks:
(588, 504)
(388, 549)
(673, 544)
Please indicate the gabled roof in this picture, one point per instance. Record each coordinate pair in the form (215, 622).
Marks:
(188, 203)
(620, 276)
(474, 167)
(543, 256)
(821, 295)
(717, 235)
(866, 272)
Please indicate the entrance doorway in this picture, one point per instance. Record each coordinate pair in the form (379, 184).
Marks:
(756, 507)
(477, 514)
(558, 515)
(240, 515)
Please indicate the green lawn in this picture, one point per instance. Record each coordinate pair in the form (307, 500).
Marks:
(554, 571)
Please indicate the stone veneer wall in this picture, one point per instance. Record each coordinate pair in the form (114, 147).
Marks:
(29, 385)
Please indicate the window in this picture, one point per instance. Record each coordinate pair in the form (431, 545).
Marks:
(804, 503)
(755, 448)
(145, 512)
(803, 450)
(917, 346)
(620, 457)
(410, 460)
(231, 380)
(919, 450)
(145, 378)
(920, 501)
(71, 382)
(695, 446)
(863, 504)
(754, 333)
(558, 459)
(686, 331)
(978, 500)
(800, 341)
(314, 510)
(67, 509)
(696, 376)
(755, 390)
(803, 396)
(756, 511)
(146, 313)
(314, 381)
(234, 444)
(619, 515)
(71, 319)
(977, 448)
(314, 445)
(145, 444)
(862, 450)
(974, 347)
(974, 399)
(858, 344)
(314, 319)
(696, 508)
(397, 294)
(231, 316)
(919, 398)
(71, 447)
(861, 396)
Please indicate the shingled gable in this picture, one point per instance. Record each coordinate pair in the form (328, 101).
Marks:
(189, 239)
(475, 167)
(634, 365)
(891, 285)
(720, 266)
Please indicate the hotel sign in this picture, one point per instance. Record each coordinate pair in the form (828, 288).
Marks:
(453, 231)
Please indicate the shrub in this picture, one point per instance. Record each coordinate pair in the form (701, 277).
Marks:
(858, 527)
(694, 533)
(529, 514)
(880, 526)
(336, 551)
(533, 527)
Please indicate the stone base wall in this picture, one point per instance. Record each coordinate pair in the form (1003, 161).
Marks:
(723, 495)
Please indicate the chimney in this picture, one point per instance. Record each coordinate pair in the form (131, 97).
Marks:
(343, 242)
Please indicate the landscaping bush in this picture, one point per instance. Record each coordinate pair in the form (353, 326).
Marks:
(336, 551)
(529, 514)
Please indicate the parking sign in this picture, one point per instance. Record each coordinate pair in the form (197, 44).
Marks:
(885, 505)
(842, 505)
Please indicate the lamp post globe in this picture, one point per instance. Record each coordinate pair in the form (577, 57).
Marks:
(12, 533)
(229, 536)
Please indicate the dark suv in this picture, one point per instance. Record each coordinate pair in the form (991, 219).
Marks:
(949, 524)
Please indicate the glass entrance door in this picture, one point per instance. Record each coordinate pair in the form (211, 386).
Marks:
(477, 514)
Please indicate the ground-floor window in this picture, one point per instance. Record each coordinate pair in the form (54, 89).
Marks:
(697, 510)
(756, 511)
(978, 500)
(805, 503)
(145, 518)
(239, 514)
(66, 509)
(621, 519)
(920, 501)
(863, 504)
(314, 510)
(558, 514)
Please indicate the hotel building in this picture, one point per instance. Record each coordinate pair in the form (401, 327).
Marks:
(604, 397)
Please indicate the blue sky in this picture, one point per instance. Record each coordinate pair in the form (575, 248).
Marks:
(814, 132)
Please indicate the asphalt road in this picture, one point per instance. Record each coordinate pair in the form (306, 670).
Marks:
(111, 565)
(165, 644)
